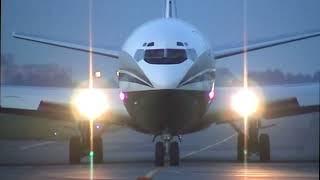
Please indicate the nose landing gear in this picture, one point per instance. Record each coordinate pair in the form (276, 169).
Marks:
(174, 153)
(160, 153)
(167, 147)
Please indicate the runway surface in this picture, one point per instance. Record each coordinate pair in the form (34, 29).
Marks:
(209, 154)
(189, 170)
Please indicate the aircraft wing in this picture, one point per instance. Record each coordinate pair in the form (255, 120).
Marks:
(49, 110)
(65, 112)
(278, 101)
(272, 110)
(52, 112)
(100, 51)
(263, 44)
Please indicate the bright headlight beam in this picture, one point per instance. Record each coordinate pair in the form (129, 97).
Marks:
(245, 102)
(91, 103)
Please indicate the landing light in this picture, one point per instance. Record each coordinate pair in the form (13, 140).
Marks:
(90, 103)
(245, 102)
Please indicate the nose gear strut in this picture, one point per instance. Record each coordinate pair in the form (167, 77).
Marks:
(167, 147)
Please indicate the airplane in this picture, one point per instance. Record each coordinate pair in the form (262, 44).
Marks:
(167, 89)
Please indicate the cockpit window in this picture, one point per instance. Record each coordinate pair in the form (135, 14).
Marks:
(139, 54)
(192, 54)
(165, 56)
(150, 44)
(172, 54)
(180, 44)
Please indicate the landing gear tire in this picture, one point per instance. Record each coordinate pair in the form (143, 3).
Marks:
(159, 154)
(75, 150)
(240, 148)
(98, 150)
(174, 154)
(264, 147)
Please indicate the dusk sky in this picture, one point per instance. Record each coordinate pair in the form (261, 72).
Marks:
(221, 21)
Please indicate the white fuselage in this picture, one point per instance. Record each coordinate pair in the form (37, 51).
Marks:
(178, 38)
(166, 73)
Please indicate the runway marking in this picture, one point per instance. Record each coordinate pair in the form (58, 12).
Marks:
(208, 147)
(86, 178)
(36, 145)
(154, 171)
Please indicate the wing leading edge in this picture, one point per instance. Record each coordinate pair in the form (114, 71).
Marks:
(271, 110)
(65, 112)
(265, 44)
(274, 102)
(100, 51)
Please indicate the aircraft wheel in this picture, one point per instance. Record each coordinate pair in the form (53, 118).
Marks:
(98, 150)
(159, 154)
(264, 145)
(174, 154)
(75, 150)
(240, 148)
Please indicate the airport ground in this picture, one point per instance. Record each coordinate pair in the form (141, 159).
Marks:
(209, 154)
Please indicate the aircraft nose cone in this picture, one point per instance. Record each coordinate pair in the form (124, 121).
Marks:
(165, 76)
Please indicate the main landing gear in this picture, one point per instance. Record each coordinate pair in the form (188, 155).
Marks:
(256, 143)
(79, 146)
(167, 147)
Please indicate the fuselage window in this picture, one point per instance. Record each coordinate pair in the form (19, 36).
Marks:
(165, 56)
